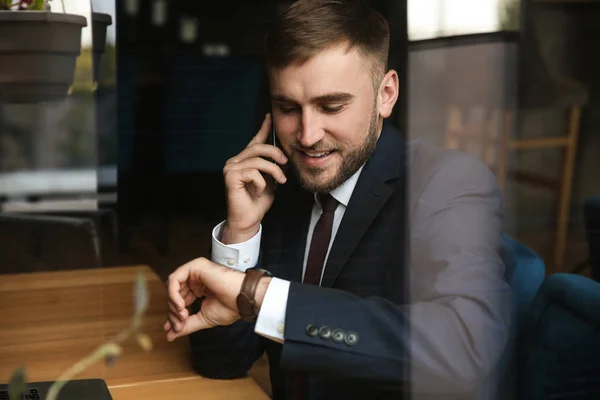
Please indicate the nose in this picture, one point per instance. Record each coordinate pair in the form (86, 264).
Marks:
(310, 131)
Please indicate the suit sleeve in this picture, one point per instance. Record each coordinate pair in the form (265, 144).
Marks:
(451, 335)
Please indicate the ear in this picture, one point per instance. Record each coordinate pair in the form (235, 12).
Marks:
(388, 93)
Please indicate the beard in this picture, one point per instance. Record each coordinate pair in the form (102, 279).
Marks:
(351, 161)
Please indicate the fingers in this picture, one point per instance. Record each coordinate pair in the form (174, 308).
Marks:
(189, 298)
(179, 291)
(174, 323)
(186, 284)
(263, 132)
(192, 324)
(181, 294)
(254, 177)
(259, 150)
(175, 318)
(233, 172)
(179, 314)
(174, 285)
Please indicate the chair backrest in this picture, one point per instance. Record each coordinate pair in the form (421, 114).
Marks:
(30, 243)
(482, 133)
(106, 228)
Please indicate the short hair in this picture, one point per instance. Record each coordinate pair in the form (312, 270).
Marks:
(308, 27)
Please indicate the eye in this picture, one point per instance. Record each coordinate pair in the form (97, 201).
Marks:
(287, 110)
(332, 109)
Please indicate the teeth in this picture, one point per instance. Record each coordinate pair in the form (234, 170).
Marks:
(318, 155)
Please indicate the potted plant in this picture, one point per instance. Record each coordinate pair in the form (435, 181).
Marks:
(38, 51)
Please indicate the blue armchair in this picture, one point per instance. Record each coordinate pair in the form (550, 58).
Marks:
(525, 273)
(554, 348)
(592, 227)
(559, 345)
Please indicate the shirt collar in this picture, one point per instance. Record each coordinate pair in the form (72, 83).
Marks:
(343, 192)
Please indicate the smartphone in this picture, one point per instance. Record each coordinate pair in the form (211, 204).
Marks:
(273, 141)
(273, 138)
(273, 134)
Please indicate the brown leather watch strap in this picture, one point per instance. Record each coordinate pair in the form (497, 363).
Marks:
(245, 300)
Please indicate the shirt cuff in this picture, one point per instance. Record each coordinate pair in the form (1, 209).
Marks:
(240, 256)
(271, 317)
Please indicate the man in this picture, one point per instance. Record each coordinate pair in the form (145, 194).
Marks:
(329, 207)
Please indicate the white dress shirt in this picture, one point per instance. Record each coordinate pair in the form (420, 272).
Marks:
(241, 256)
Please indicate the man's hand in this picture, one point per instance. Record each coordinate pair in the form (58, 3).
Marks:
(249, 194)
(218, 284)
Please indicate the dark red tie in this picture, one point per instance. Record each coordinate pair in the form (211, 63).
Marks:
(314, 269)
(320, 241)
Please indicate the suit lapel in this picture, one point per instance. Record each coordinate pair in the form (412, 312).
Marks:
(368, 198)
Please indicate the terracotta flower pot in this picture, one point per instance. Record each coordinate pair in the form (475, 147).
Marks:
(38, 52)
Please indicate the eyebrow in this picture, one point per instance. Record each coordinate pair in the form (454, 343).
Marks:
(336, 97)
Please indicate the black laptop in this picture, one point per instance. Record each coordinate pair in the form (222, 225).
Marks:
(80, 389)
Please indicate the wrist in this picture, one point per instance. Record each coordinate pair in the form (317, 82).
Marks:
(233, 236)
(252, 293)
(261, 290)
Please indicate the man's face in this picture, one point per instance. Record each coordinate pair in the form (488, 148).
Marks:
(326, 117)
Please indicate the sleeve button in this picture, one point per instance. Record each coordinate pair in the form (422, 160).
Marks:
(312, 330)
(325, 332)
(351, 338)
(338, 335)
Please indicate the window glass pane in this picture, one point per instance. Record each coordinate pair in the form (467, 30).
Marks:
(435, 18)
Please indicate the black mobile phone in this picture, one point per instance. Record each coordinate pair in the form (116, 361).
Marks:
(273, 138)
(273, 141)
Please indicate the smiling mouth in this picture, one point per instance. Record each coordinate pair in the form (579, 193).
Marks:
(321, 154)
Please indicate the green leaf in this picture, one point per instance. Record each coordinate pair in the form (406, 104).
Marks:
(144, 341)
(141, 294)
(5, 4)
(37, 5)
(18, 384)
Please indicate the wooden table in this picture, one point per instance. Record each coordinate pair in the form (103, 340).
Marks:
(51, 320)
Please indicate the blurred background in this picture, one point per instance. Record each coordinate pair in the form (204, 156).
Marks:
(510, 81)
(169, 90)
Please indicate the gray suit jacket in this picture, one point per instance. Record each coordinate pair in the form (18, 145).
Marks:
(460, 302)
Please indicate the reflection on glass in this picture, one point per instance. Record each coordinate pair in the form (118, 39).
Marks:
(105, 67)
(47, 148)
(435, 18)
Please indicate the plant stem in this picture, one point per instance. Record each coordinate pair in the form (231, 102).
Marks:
(96, 356)
(111, 349)
(76, 369)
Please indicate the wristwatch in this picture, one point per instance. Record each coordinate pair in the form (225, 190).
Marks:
(245, 300)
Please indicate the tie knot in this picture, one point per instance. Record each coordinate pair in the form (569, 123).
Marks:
(328, 203)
